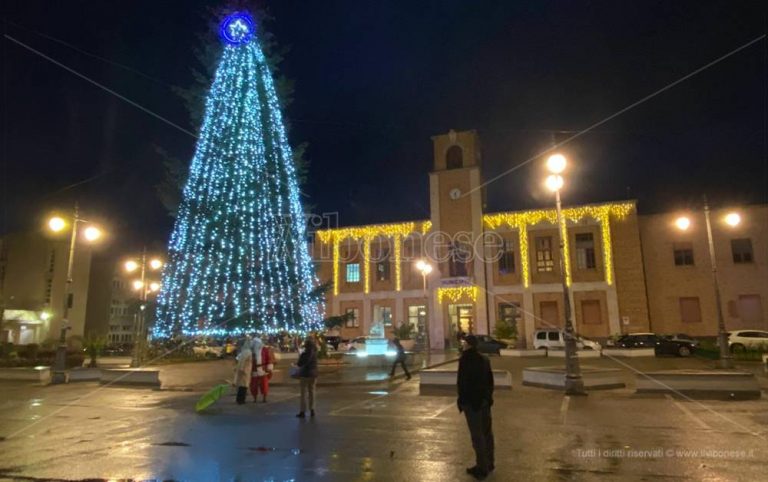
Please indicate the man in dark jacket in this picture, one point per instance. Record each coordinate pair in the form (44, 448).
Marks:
(400, 358)
(475, 386)
(307, 364)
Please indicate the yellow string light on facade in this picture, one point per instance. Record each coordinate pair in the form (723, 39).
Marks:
(455, 294)
(398, 284)
(366, 234)
(335, 267)
(602, 213)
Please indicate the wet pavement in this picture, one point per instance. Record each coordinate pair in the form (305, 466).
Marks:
(385, 431)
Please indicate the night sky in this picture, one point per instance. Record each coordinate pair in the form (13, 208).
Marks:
(373, 82)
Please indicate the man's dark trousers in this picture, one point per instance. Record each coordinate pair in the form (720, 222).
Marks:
(481, 431)
(401, 362)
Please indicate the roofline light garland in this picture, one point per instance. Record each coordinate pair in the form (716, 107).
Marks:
(602, 213)
(365, 234)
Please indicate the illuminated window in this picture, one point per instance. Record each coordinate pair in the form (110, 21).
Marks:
(585, 251)
(544, 261)
(353, 272)
(683, 253)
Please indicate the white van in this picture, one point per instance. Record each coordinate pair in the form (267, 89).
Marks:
(555, 339)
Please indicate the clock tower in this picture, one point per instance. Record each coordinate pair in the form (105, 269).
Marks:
(455, 243)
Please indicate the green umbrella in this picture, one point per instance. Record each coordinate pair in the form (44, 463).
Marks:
(210, 397)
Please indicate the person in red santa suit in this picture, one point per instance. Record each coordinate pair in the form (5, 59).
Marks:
(263, 364)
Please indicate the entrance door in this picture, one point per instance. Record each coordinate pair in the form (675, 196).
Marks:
(465, 319)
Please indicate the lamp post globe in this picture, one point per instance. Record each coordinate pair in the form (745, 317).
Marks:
(556, 163)
(683, 223)
(733, 219)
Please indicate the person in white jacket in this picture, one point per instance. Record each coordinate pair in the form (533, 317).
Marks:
(243, 370)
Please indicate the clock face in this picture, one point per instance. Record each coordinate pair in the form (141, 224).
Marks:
(455, 193)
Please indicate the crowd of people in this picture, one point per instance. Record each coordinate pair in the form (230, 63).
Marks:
(255, 364)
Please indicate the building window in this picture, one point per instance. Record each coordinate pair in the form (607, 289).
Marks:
(382, 314)
(382, 265)
(591, 313)
(454, 158)
(742, 250)
(690, 310)
(459, 257)
(509, 313)
(353, 272)
(683, 253)
(354, 318)
(585, 251)
(544, 261)
(751, 310)
(417, 316)
(507, 260)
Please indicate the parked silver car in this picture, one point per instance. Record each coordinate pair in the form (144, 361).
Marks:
(555, 339)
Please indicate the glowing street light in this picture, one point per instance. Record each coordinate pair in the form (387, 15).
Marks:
(91, 234)
(574, 385)
(56, 224)
(683, 223)
(733, 219)
(131, 266)
(556, 163)
(554, 182)
(144, 287)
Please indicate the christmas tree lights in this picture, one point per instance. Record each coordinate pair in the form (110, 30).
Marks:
(238, 258)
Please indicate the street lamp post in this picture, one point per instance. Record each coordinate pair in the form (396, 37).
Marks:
(91, 233)
(574, 385)
(425, 268)
(732, 219)
(144, 289)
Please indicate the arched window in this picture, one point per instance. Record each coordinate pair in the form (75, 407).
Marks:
(454, 158)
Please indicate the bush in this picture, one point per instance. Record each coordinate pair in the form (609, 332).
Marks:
(403, 331)
(505, 330)
(93, 345)
(29, 351)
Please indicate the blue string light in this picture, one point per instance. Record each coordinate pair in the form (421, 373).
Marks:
(238, 259)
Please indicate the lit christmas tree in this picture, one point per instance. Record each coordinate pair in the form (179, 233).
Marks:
(238, 258)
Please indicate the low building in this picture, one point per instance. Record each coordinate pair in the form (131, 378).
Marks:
(33, 284)
(488, 266)
(678, 269)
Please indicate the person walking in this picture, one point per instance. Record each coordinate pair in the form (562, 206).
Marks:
(475, 386)
(399, 359)
(262, 370)
(243, 368)
(307, 377)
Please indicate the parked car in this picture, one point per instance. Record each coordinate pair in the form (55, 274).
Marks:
(205, 349)
(683, 337)
(488, 344)
(742, 339)
(661, 345)
(117, 349)
(333, 341)
(553, 338)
